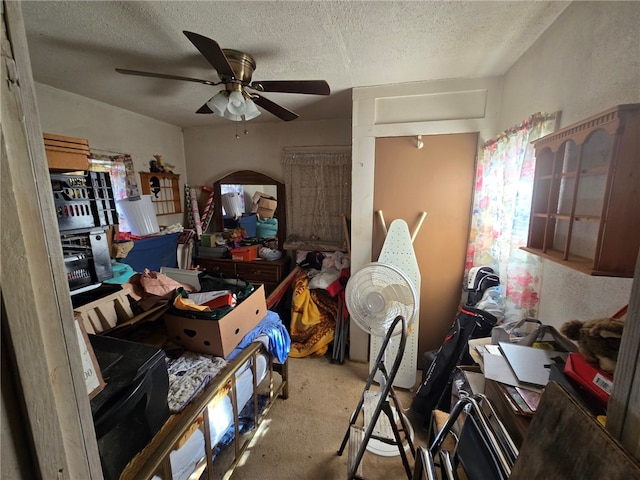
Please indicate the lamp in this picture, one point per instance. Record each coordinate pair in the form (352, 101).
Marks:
(233, 106)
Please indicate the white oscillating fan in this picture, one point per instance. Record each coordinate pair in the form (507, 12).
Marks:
(383, 301)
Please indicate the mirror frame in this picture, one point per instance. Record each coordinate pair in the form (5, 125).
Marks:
(250, 177)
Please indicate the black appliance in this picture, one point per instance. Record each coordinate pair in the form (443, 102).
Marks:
(85, 208)
(133, 405)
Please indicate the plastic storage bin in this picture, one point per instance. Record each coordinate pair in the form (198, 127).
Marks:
(140, 215)
(83, 201)
(249, 221)
(153, 253)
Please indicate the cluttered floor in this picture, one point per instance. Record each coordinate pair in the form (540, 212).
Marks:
(303, 434)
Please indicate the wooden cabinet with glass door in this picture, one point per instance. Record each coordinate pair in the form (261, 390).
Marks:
(585, 211)
(164, 189)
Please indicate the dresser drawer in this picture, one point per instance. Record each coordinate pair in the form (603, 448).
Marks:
(217, 266)
(259, 271)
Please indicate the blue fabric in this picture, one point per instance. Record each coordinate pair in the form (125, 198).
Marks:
(121, 273)
(272, 327)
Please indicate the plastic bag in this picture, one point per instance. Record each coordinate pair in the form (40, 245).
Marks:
(492, 302)
(514, 331)
(528, 331)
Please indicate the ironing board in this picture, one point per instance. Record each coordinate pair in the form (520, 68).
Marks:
(398, 251)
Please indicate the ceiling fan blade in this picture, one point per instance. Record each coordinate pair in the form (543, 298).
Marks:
(204, 109)
(313, 87)
(163, 75)
(212, 52)
(275, 109)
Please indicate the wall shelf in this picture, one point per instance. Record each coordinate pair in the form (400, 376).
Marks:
(586, 193)
(164, 189)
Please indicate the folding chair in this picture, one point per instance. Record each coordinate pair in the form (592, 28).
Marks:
(484, 449)
(425, 468)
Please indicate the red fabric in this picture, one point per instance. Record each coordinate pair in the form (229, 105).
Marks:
(338, 285)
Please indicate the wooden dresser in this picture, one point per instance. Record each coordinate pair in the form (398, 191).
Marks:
(266, 272)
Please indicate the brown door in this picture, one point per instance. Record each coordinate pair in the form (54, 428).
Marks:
(437, 179)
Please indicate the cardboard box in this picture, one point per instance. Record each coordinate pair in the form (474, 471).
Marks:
(218, 337)
(264, 205)
(245, 254)
(266, 208)
(105, 313)
(258, 195)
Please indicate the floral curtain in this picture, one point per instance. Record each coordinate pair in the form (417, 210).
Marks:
(501, 210)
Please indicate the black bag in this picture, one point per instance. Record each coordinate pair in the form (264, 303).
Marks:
(480, 279)
(435, 389)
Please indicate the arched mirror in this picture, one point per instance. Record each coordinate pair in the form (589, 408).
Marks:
(249, 185)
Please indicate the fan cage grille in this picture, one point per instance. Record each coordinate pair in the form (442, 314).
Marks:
(377, 294)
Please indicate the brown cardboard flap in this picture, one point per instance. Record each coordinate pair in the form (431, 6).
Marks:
(565, 441)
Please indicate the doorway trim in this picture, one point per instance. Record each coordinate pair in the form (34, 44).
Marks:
(37, 318)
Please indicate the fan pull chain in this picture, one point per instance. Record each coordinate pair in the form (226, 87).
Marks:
(246, 132)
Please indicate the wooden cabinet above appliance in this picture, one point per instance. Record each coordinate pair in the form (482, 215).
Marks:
(66, 154)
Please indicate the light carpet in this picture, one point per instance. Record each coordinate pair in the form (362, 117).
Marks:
(301, 435)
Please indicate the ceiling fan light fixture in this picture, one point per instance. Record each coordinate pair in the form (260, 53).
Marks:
(250, 111)
(236, 105)
(235, 70)
(218, 104)
(233, 106)
(230, 116)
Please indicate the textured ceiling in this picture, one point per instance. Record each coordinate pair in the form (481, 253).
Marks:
(75, 46)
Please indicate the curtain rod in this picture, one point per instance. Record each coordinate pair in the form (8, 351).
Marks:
(99, 151)
(532, 119)
(318, 148)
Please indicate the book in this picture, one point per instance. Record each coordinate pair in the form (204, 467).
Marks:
(531, 398)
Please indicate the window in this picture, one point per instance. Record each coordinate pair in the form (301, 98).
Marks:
(318, 181)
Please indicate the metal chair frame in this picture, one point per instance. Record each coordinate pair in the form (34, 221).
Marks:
(482, 417)
(383, 405)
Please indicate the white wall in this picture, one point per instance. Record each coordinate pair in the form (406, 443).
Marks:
(213, 152)
(586, 62)
(114, 130)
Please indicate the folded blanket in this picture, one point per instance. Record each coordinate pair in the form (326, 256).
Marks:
(313, 319)
(279, 342)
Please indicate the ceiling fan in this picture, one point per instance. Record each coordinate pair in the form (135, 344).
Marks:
(235, 69)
